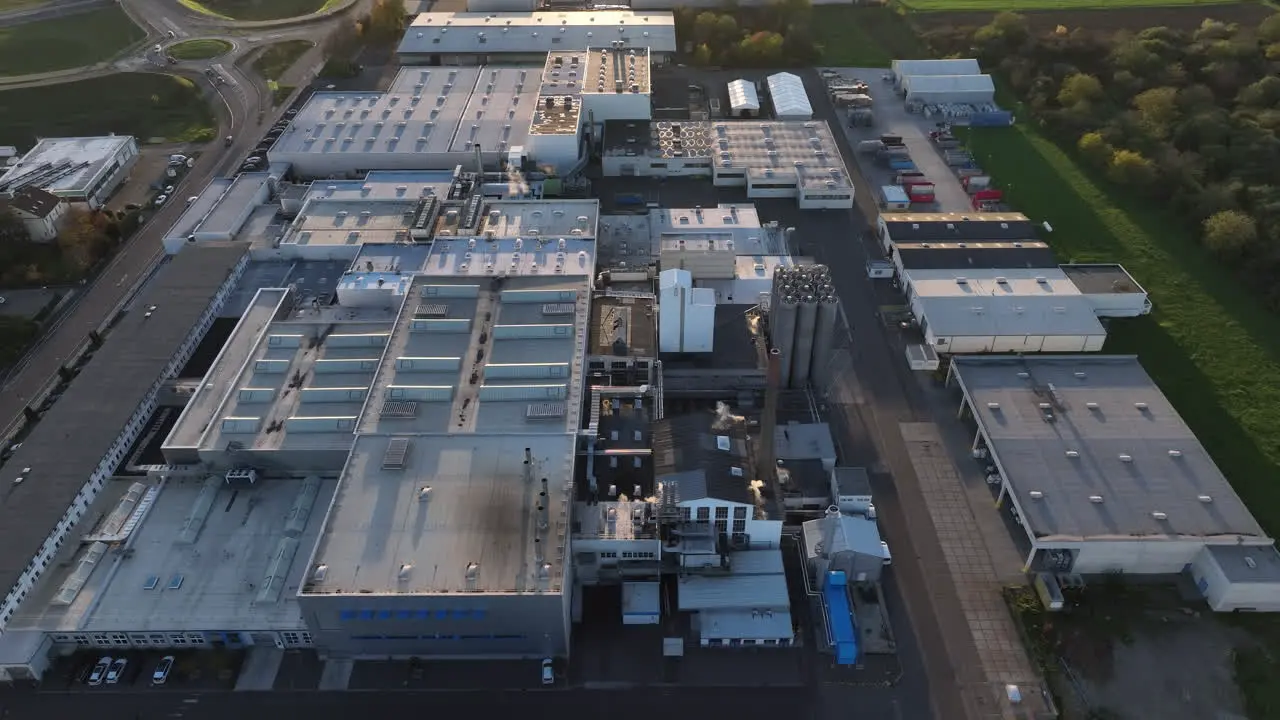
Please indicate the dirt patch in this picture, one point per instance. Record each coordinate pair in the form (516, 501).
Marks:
(1178, 18)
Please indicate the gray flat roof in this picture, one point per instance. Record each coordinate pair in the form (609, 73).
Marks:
(70, 441)
(458, 499)
(202, 407)
(85, 157)
(734, 592)
(195, 213)
(222, 572)
(1009, 315)
(537, 32)
(427, 111)
(1135, 468)
(384, 185)
(1247, 563)
(526, 368)
(1101, 278)
(229, 210)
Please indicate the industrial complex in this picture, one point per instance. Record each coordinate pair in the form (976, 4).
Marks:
(453, 362)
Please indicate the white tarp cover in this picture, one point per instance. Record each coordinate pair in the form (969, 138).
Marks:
(742, 96)
(953, 66)
(790, 101)
(949, 88)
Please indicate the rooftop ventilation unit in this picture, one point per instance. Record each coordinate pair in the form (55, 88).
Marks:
(1157, 515)
(1073, 454)
(1095, 499)
(1036, 495)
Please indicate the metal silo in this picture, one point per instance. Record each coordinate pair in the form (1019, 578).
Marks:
(824, 338)
(806, 323)
(783, 329)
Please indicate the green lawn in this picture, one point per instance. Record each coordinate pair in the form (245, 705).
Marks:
(68, 42)
(276, 60)
(139, 104)
(1024, 5)
(199, 49)
(1209, 345)
(864, 36)
(255, 9)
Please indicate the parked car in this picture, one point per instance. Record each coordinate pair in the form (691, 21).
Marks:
(884, 549)
(168, 190)
(100, 670)
(161, 198)
(548, 672)
(192, 199)
(161, 673)
(116, 671)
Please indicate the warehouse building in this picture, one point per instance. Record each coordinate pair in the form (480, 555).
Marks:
(479, 38)
(76, 169)
(791, 159)
(902, 69)
(949, 89)
(1002, 311)
(744, 101)
(1103, 476)
(790, 101)
(899, 228)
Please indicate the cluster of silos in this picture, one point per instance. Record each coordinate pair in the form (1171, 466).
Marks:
(802, 321)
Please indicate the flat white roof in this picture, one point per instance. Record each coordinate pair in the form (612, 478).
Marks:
(981, 283)
(788, 95)
(82, 161)
(914, 84)
(743, 96)
(537, 32)
(351, 222)
(1008, 316)
(953, 66)
(460, 516)
(564, 257)
(427, 111)
(1116, 462)
(385, 185)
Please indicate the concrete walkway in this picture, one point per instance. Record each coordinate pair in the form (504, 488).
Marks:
(336, 674)
(259, 669)
(968, 556)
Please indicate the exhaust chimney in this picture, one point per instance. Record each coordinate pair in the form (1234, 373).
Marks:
(543, 513)
(528, 456)
(830, 523)
(538, 559)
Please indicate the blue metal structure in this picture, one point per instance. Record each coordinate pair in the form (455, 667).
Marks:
(844, 640)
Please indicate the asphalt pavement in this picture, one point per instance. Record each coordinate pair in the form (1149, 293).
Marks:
(50, 11)
(644, 704)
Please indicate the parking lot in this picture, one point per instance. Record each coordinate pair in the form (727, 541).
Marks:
(214, 669)
(892, 118)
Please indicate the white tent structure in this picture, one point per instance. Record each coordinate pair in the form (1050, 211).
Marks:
(953, 66)
(743, 99)
(790, 101)
(943, 89)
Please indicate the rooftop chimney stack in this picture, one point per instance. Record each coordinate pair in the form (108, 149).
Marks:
(538, 559)
(830, 524)
(543, 513)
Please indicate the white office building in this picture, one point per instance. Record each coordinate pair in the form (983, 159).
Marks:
(479, 38)
(76, 169)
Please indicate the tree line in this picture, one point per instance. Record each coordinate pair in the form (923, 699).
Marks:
(1187, 118)
(775, 35)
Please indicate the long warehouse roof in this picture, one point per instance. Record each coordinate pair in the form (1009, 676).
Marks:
(537, 32)
(69, 442)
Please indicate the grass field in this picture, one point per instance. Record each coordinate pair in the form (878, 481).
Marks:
(1208, 344)
(278, 58)
(257, 9)
(139, 104)
(199, 49)
(1034, 5)
(82, 39)
(864, 36)
(12, 5)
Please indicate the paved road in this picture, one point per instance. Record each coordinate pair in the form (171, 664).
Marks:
(879, 393)
(737, 703)
(238, 105)
(49, 11)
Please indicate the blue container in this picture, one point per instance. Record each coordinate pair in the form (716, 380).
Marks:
(998, 118)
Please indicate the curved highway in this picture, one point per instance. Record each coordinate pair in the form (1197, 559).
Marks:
(243, 108)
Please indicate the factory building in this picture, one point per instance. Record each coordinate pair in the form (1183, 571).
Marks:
(905, 228)
(76, 169)
(796, 159)
(949, 89)
(63, 484)
(429, 119)
(790, 101)
(414, 368)
(479, 38)
(1103, 476)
